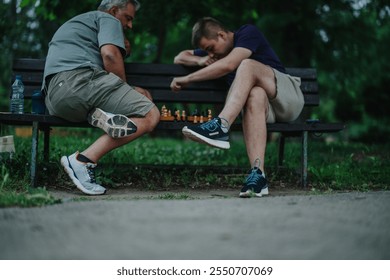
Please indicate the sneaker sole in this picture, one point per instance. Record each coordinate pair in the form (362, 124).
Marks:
(250, 193)
(116, 126)
(68, 169)
(201, 139)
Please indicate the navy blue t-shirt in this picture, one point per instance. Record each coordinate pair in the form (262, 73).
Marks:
(250, 37)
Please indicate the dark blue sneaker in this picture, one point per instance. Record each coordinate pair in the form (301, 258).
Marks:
(255, 184)
(211, 133)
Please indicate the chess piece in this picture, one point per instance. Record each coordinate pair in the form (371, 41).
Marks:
(166, 115)
(162, 109)
(209, 116)
(183, 116)
(164, 112)
(201, 119)
(178, 115)
(195, 119)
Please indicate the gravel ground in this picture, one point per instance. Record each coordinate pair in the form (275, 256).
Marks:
(210, 224)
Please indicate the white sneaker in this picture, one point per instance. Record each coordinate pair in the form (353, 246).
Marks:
(115, 125)
(82, 174)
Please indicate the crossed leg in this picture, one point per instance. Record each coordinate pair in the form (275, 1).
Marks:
(105, 143)
(253, 86)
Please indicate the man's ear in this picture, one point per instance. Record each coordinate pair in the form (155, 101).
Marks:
(222, 34)
(113, 10)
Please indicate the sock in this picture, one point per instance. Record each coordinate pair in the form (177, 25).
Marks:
(257, 163)
(83, 158)
(224, 125)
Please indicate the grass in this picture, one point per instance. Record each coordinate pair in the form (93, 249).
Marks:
(15, 192)
(176, 165)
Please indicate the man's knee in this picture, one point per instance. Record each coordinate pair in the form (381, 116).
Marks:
(257, 99)
(251, 64)
(153, 117)
(247, 64)
(249, 67)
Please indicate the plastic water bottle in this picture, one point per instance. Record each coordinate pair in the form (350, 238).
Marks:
(17, 98)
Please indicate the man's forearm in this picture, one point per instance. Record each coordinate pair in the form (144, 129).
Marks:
(211, 72)
(116, 68)
(187, 58)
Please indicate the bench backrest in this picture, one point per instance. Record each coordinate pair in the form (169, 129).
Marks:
(157, 79)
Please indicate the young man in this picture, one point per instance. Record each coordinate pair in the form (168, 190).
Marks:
(85, 79)
(259, 87)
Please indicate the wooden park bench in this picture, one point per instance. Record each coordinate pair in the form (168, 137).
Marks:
(157, 78)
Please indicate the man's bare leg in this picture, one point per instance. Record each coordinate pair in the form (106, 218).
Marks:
(105, 143)
(255, 136)
(249, 74)
(255, 127)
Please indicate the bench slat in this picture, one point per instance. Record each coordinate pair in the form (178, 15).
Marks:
(158, 83)
(179, 70)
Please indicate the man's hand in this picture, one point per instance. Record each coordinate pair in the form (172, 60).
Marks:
(127, 47)
(144, 92)
(206, 60)
(178, 83)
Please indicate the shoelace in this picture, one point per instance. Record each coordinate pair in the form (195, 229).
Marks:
(253, 177)
(210, 125)
(91, 172)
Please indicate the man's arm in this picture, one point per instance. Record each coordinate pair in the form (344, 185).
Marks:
(188, 58)
(215, 70)
(113, 60)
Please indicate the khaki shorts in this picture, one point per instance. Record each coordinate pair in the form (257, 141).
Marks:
(288, 103)
(72, 94)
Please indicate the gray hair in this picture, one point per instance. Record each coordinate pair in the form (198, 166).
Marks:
(121, 4)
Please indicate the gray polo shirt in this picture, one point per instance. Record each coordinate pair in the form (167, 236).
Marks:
(77, 42)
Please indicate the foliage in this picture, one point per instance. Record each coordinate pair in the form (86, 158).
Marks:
(14, 191)
(345, 40)
(181, 165)
(351, 159)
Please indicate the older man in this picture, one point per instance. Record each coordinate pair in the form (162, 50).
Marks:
(85, 79)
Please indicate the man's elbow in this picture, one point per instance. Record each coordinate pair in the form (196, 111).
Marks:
(179, 59)
(230, 67)
(111, 53)
(183, 57)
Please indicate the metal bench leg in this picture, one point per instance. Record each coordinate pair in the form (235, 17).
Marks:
(34, 153)
(304, 159)
(281, 150)
(46, 143)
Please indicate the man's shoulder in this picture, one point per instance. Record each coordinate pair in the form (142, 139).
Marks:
(95, 15)
(248, 32)
(247, 28)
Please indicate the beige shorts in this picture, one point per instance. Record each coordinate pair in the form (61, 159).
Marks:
(288, 103)
(72, 94)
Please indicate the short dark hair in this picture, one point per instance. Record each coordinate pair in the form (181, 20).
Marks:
(207, 27)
